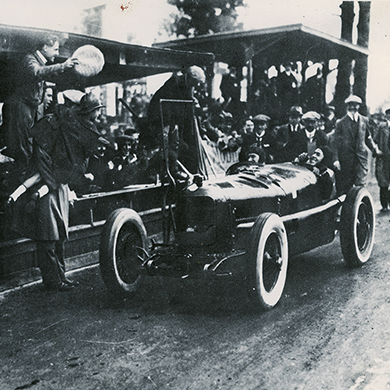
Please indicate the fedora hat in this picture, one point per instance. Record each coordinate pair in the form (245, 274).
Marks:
(296, 111)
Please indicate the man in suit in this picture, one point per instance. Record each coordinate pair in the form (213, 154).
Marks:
(20, 108)
(286, 132)
(352, 138)
(309, 138)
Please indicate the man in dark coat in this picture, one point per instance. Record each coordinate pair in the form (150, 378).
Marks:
(20, 108)
(353, 139)
(308, 138)
(286, 133)
(175, 117)
(63, 143)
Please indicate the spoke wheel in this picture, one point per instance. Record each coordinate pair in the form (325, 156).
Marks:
(122, 251)
(357, 227)
(267, 260)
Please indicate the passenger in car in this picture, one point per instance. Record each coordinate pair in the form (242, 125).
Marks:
(318, 162)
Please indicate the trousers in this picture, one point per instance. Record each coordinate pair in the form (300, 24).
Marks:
(51, 261)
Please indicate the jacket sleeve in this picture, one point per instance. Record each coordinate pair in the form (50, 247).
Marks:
(369, 139)
(42, 72)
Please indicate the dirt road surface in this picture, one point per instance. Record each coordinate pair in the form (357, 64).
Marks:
(331, 330)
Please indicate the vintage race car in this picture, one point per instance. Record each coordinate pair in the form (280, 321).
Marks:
(246, 223)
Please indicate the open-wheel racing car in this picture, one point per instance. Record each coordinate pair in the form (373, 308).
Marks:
(245, 223)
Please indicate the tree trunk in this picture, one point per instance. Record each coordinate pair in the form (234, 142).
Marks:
(343, 85)
(361, 65)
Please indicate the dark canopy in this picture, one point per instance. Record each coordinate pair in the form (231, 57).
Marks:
(272, 45)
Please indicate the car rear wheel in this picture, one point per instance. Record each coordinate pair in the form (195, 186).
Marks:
(123, 246)
(357, 228)
(267, 261)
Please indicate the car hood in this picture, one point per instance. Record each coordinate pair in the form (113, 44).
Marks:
(266, 181)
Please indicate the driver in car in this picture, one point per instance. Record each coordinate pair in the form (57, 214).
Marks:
(256, 155)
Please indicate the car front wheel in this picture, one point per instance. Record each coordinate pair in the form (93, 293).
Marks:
(267, 261)
(123, 245)
(357, 227)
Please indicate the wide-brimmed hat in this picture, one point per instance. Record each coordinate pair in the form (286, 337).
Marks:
(89, 103)
(353, 99)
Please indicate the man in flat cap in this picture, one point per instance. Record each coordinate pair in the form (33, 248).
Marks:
(261, 137)
(287, 132)
(308, 139)
(176, 117)
(352, 137)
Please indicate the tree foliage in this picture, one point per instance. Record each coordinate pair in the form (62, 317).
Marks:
(201, 17)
